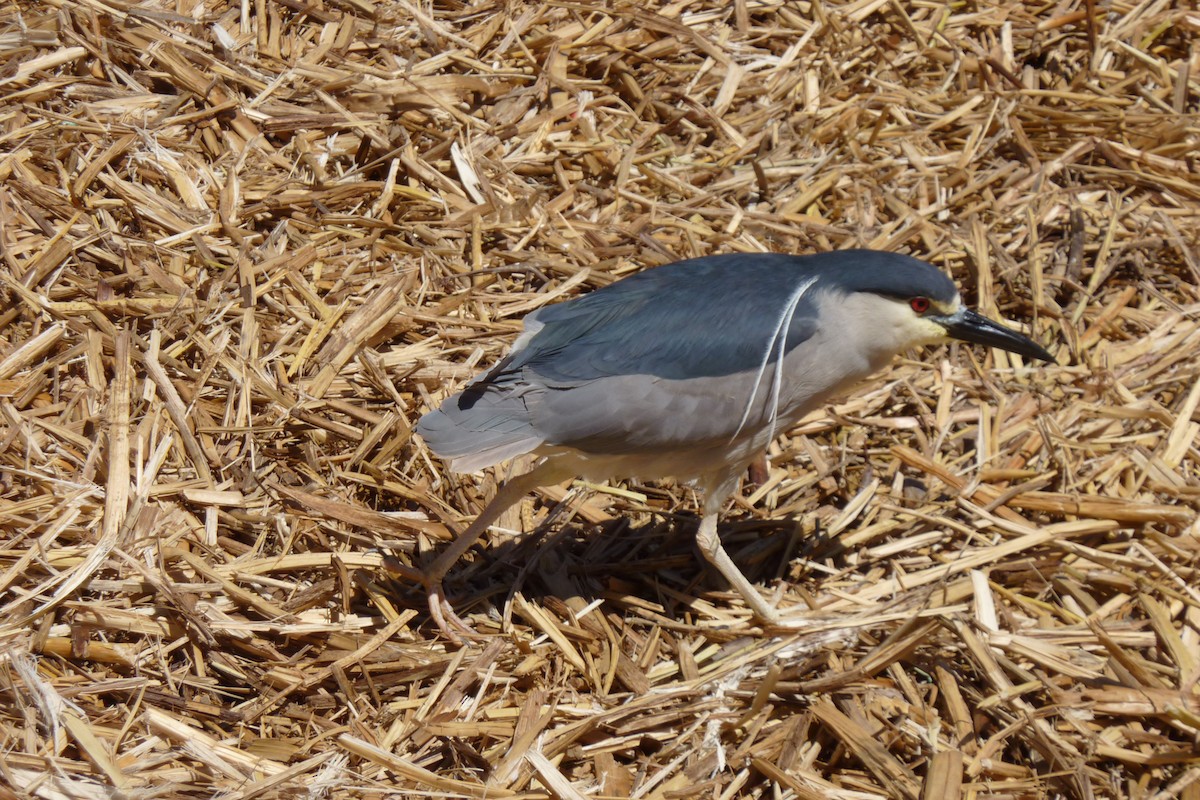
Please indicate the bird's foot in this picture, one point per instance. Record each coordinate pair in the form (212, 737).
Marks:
(768, 619)
(780, 623)
(448, 622)
(771, 618)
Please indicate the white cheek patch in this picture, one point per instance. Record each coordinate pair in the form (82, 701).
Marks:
(926, 331)
(911, 330)
(947, 309)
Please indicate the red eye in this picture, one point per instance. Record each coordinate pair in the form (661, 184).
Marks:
(919, 304)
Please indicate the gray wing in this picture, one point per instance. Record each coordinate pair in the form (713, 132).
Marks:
(668, 359)
(705, 317)
(482, 425)
(674, 358)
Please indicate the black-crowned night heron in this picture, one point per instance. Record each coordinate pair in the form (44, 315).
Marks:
(688, 371)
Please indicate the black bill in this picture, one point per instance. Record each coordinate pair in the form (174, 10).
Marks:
(968, 326)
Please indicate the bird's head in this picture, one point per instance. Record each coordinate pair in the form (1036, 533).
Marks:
(923, 319)
(906, 302)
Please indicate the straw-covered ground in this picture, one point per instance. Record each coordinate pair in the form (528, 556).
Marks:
(246, 244)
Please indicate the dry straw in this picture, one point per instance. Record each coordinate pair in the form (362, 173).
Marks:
(245, 244)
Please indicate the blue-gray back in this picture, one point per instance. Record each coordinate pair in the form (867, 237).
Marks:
(704, 317)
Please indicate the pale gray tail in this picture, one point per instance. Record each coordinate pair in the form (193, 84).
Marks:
(478, 427)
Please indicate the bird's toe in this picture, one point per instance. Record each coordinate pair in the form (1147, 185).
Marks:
(452, 626)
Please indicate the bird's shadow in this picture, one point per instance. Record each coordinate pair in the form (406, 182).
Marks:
(646, 563)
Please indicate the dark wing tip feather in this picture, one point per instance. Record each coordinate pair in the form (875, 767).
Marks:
(492, 428)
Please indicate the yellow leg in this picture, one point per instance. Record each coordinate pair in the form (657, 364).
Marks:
(508, 494)
(712, 550)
